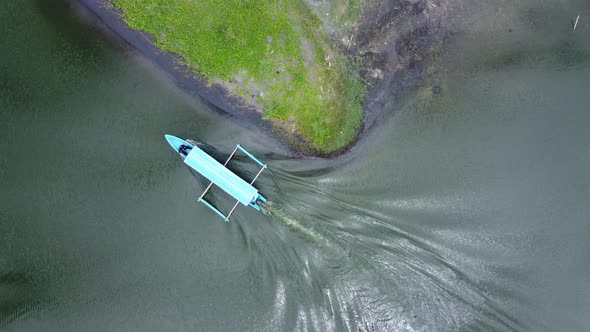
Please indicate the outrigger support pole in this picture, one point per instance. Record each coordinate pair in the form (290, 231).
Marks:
(231, 155)
(206, 190)
(225, 164)
(253, 158)
(232, 211)
(209, 205)
(257, 175)
(250, 155)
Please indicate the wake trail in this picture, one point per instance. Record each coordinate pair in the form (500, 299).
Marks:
(270, 210)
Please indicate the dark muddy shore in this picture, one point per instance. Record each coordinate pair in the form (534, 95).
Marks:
(399, 43)
(396, 42)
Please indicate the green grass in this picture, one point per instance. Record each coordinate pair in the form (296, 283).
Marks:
(270, 53)
(345, 12)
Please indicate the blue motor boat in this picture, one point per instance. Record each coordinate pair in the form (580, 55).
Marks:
(219, 175)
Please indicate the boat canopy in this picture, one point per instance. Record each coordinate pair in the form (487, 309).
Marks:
(221, 176)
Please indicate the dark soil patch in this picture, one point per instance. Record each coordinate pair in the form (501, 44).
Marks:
(398, 42)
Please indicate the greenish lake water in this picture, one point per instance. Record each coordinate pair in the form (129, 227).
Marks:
(460, 211)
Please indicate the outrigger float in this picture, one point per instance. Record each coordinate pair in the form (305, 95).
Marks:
(219, 175)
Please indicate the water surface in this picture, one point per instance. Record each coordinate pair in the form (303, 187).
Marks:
(460, 210)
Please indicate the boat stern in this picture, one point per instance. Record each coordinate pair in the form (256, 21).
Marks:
(256, 201)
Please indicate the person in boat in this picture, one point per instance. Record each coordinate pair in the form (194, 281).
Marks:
(184, 150)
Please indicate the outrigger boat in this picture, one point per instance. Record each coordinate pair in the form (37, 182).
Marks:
(219, 175)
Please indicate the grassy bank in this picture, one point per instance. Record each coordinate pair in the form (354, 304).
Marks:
(272, 54)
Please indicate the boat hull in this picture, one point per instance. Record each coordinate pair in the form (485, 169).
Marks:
(219, 175)
(176, 142)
